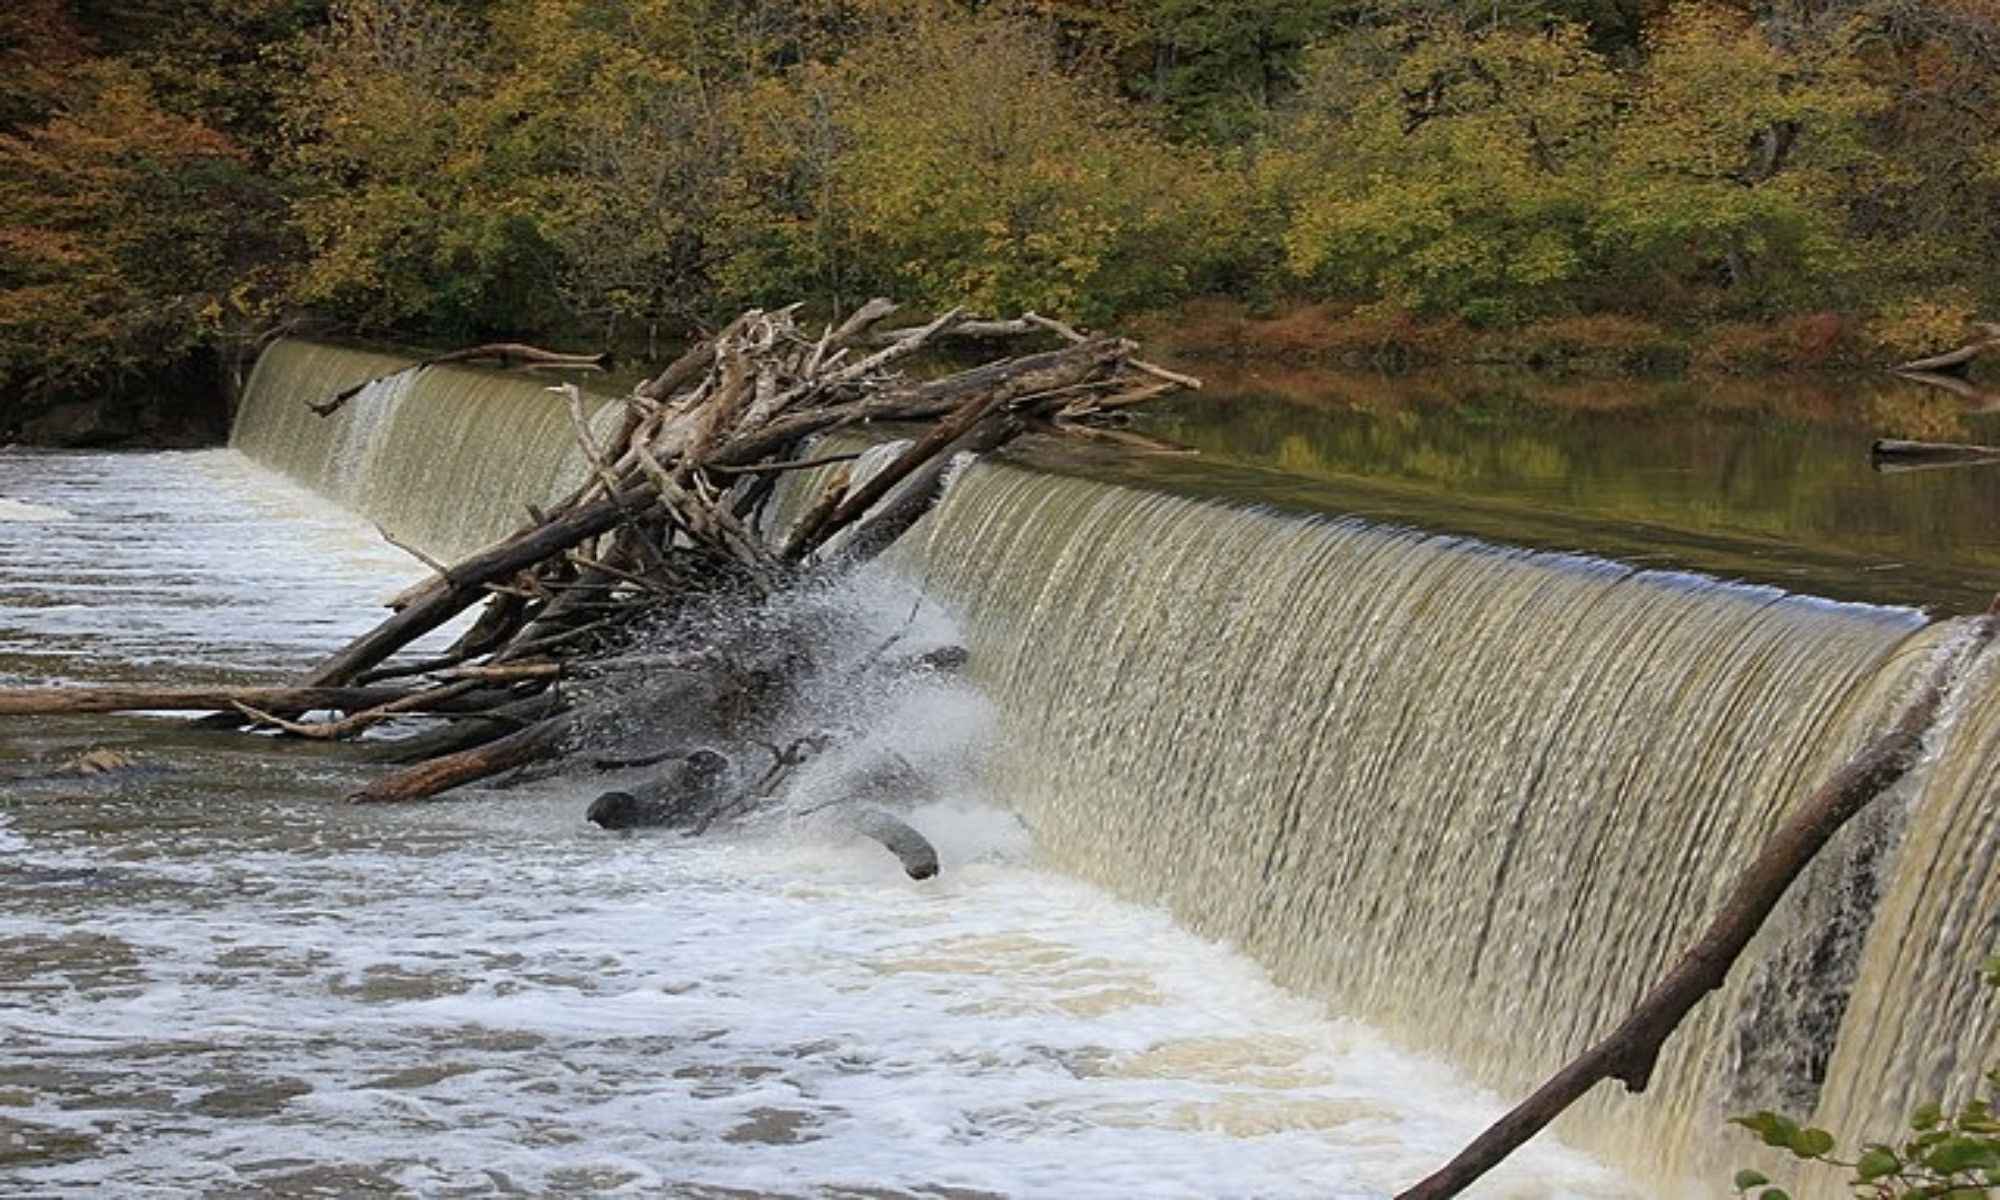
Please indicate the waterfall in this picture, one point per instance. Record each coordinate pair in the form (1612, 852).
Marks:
(1920, 1019)
(435, 457)
(1479, 797)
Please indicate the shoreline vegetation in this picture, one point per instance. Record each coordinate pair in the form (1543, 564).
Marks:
(1609, 187)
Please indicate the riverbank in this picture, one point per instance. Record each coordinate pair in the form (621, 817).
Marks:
(1603, 344)
(180, 406)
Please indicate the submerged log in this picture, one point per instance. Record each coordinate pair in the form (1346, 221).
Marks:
(1629, 1052)
(91, 764)
(678, 799)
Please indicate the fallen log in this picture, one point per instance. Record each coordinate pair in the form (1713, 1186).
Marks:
(1959, 359)
(1890, 454)
(57, 701)
(1630, 1051)
(466, 731)
(448, 771)
(898, 837)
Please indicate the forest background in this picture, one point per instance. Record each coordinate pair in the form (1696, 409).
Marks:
(1732, 184)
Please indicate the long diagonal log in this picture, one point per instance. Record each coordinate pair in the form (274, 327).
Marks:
(444, 599)
(917, 495)
(53, 701)
(1629, 1053)
(518, 749)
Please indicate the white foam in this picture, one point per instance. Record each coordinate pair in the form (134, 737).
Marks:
(21, 510)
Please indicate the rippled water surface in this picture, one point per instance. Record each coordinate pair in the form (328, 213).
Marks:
(215, 979)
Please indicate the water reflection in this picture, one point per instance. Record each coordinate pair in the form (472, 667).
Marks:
(1764, 479)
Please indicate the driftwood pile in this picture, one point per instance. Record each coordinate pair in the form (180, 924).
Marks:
(663, 585)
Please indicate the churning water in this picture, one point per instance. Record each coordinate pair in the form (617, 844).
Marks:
(217, 980)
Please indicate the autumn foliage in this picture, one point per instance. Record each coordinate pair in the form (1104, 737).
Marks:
(176, 176)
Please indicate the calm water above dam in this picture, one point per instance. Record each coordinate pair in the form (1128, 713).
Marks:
(1762, 479)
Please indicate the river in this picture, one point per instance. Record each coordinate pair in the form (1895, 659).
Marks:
(216, 980)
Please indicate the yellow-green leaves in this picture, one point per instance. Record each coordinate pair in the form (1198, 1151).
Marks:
(1448, 170)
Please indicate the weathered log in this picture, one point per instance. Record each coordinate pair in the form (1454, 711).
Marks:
(914, 456)
(53, 701)
(912, 849)
(1030, 323)
(908, 504)
(1629, 1053)
(1959, 359)
(444, 598)
(356, 723)
(514, 354)
(806, 531)
(466, 730)
(1027, 376)
(467, 766)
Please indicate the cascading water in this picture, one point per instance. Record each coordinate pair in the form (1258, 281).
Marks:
(1479, 797)
(1920, 1020)
(442, 458)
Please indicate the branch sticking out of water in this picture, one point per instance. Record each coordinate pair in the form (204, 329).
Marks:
(1629, 1052)
(505, 354)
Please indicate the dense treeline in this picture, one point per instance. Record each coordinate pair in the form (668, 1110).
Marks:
(177, 176)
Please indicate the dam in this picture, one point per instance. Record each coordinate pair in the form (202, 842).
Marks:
(1460, 799)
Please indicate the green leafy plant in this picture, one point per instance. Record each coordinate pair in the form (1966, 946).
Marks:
(1948, 1155)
